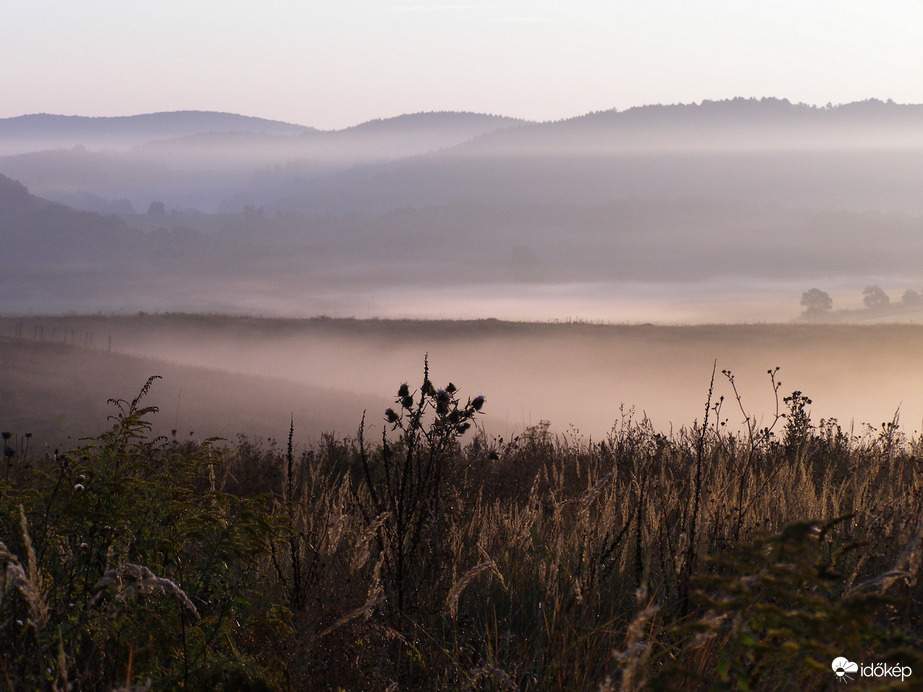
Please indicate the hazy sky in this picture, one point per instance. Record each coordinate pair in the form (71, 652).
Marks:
(335, 64)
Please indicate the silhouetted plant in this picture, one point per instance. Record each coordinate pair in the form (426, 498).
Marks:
(691, 519)
(798, 421)
(404, 481)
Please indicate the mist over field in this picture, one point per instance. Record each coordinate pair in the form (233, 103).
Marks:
(650, 220)
(229, 375)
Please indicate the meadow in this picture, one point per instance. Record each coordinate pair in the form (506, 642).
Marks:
(223, 375)
(745, 548)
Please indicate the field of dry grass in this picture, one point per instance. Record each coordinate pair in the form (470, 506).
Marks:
(418, 555)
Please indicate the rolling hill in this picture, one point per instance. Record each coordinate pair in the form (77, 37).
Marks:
(42, 131)
(764, 194)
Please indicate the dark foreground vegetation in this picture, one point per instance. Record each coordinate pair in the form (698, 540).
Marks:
(434, 558)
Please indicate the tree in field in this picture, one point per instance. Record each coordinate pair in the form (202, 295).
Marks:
(911, 297)
(874, 298)
(816, 302)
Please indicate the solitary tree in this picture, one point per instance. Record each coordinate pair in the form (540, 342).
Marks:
(874, 298)
(910, 297)
(816, 302)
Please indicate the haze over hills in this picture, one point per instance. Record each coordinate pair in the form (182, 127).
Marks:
(39, 131)
(376, 140)
(47, 131)
(858, 156)
(751, 201)
(736, 124)
(206, 160)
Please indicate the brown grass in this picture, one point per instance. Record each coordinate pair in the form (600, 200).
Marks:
(543, 562)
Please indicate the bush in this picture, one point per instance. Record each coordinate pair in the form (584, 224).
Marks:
(136, 562)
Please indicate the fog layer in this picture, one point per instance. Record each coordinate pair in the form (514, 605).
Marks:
(220, 371)
(722, 211)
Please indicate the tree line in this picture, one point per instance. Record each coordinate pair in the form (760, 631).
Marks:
(817, 303)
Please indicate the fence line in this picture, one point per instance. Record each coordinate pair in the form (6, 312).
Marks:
(68, 336)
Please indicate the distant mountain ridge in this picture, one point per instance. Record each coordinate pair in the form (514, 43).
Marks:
(435, 120)
(26, 133)
(734, 123)
(73, 130)
(869, 155)
(739, 122)
(199, 159)
(45, 131)
(374, 140)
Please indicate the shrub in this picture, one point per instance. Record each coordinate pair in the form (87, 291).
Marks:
(135, 562)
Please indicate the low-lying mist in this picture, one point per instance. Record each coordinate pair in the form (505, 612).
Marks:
(290, 294)
(580, 377)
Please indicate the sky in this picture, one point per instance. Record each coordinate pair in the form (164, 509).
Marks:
(335, 64)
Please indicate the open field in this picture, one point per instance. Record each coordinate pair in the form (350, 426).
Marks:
(224, 375)
(59, 394)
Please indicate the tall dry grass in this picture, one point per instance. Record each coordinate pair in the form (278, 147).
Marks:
(438, 559)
